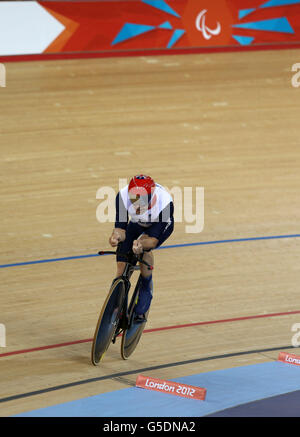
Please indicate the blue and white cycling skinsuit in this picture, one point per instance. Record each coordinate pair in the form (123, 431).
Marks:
(156, 222)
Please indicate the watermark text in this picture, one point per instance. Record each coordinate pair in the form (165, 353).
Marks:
(188, 207)
(296, 336)
(296, 77)
(2, 76)
(2, 335)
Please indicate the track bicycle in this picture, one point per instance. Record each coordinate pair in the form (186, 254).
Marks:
(117, 314)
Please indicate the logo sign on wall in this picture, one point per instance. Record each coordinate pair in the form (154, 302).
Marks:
(66, 27)
(202, 27)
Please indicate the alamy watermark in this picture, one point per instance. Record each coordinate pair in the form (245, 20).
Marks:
(296, 336)
(2, 76)
(188, 206)
(296, 77)
(2, 335)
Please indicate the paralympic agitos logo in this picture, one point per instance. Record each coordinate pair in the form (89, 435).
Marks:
(204, 29)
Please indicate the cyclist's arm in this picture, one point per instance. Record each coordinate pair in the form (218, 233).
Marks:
(155, 230)
(149, 243)
(118, 235)
(121, 214)
(144, 243)
(119, 231)
(159, 225)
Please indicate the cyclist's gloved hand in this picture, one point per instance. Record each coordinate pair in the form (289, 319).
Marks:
(114, 241)
(137, 247)
(117, 236)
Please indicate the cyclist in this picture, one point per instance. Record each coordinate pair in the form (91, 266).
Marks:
(150, 209)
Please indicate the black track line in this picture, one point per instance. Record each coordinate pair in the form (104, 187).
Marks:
(137, 371)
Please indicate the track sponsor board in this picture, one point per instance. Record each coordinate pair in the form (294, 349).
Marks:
(289, 358)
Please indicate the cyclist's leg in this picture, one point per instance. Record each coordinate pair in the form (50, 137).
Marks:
(146, 290)
(148, 257)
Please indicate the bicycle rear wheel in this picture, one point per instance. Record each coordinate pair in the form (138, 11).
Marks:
(108, 320)
(131, 336)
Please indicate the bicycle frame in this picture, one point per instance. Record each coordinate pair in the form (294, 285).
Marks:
(130, 267)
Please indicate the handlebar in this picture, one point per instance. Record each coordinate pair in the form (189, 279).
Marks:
(128, 256)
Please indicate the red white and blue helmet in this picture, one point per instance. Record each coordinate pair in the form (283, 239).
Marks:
(142, 186)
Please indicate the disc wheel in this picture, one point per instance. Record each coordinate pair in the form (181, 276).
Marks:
(108, 321)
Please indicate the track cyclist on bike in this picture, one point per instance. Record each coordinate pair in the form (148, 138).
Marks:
(150, 208)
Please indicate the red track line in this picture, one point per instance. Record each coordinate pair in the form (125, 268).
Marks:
(188, 325)
(41, 348)
(236, 319)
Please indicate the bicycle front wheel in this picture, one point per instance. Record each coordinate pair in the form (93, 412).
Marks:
(108, 320)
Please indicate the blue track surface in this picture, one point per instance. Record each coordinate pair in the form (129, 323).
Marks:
(226, 389)
(287, 405)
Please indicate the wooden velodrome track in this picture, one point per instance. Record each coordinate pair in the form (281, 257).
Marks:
(225, 122)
